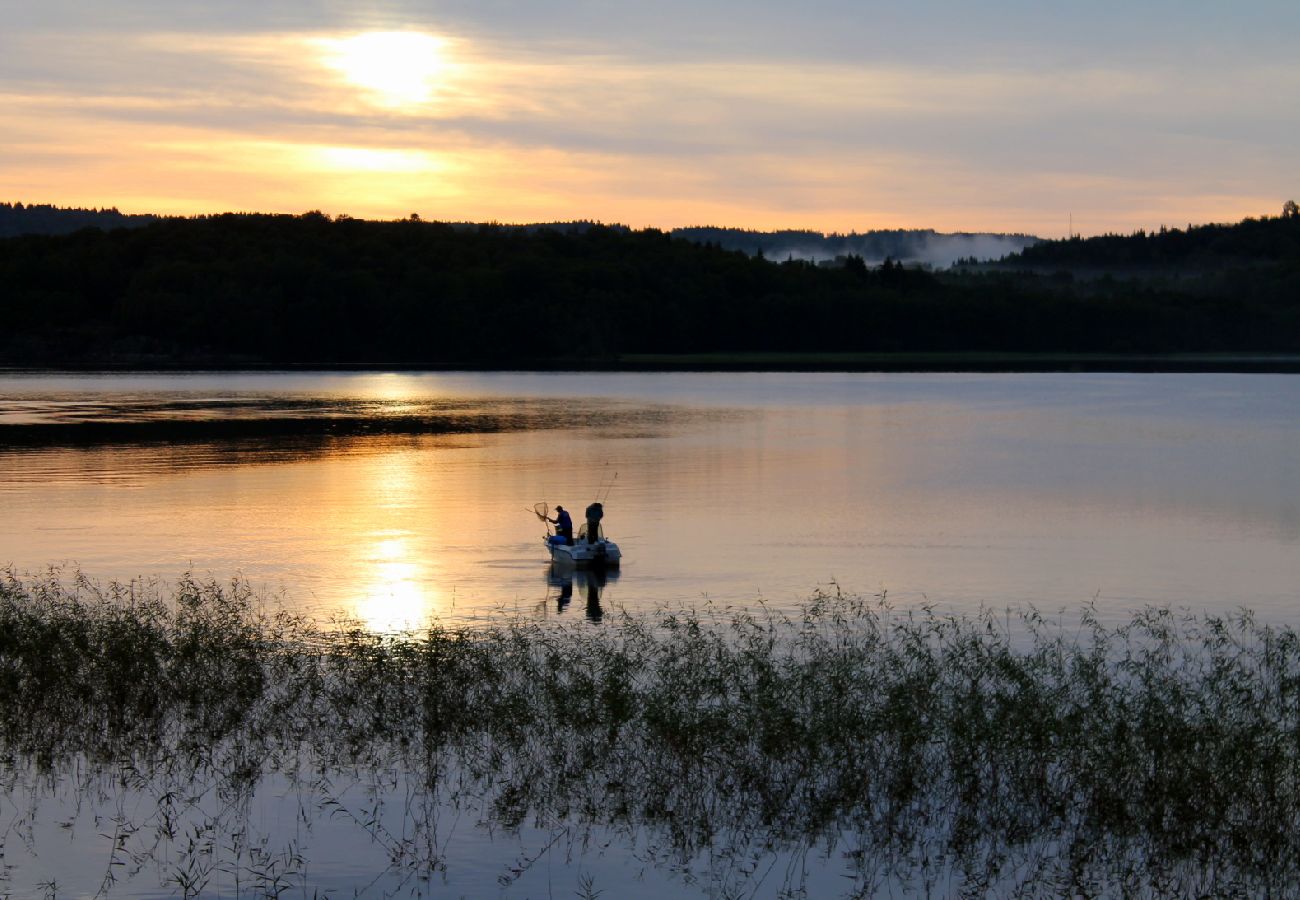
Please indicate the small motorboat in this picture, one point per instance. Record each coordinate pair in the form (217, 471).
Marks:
(600, 553)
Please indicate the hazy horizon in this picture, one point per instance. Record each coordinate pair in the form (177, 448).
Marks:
(829, 233)
(520, 223)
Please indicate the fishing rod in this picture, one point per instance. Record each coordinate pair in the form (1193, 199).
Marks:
(600, 487)
(608, 487)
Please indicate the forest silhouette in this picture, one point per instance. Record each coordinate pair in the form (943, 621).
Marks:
(311, 290)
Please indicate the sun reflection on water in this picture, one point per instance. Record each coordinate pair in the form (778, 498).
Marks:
(397, 594)
(396, 598)
(393, 559)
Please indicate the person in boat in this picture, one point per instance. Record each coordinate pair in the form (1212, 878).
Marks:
(595, 513)
(563, 524)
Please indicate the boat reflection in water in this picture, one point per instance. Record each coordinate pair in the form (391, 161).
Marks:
(589, 582)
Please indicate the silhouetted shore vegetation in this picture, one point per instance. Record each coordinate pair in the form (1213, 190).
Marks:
(998, 753)
(264, 290)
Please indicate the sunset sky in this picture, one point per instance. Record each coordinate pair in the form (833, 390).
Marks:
(1003, 115)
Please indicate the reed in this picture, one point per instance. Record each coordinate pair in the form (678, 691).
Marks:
(998, 752)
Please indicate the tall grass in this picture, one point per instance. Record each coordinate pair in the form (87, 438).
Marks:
(995, 753)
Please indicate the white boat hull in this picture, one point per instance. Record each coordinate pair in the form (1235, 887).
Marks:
(583, 555)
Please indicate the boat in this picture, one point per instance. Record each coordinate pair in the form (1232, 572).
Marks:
(601, 553)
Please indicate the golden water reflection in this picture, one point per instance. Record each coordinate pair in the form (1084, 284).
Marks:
(395, 557)
(398, 594)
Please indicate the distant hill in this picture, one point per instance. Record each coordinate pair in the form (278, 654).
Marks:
(19, 218)
(921, 246)
(1196, 249)
(911, 247)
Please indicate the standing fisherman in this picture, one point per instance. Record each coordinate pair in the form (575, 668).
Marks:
(595, 513)
(563, 524)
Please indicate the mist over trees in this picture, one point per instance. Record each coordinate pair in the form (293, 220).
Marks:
(234, 290)
(918, 246)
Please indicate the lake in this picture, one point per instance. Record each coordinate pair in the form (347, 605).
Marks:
(396, 498)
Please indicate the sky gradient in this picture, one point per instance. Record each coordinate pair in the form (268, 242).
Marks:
(998, 116)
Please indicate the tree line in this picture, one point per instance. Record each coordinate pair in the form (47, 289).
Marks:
(1253, 240)
(313, 290)
(44, 218)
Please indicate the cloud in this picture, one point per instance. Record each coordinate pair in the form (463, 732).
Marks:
(953, 34)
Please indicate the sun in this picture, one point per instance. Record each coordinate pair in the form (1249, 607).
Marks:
(396, 68)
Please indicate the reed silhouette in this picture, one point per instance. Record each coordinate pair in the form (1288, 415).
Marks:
(1001, 752)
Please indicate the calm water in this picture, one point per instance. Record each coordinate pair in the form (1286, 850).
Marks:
(398, 497)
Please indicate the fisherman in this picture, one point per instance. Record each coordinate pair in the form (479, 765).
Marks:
(595, 513)
(563, 524)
